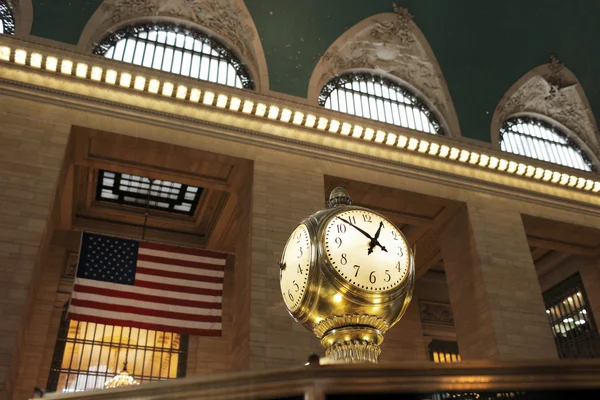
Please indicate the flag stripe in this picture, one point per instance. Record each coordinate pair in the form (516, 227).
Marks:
(142, 325)
(181, 250)
(177, 288)
(178, 282)
(179, 275)
(181, 263)
(152, 305)
(185, 270)
(123, 316)
(141, 291)
(75, 302)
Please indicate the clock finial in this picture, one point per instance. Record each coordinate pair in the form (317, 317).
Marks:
(339, 197)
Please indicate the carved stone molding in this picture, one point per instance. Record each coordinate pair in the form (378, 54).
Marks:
(436, 314)
(390, 44)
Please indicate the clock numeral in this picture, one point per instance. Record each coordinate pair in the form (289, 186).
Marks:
(357, 268)
(372, 277)
(398, 267)
(395, 235)
(367, 218)
(344, 260)
(352, 219)
(341, 228)
(388, 277)
(297, 287)
(299, 237)
(290, 295)
(301, 252)
(300, 269)
(338, 241)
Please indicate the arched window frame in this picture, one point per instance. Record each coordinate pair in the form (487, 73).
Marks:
(414, 100)
(223, 52)
(554, 128)
(7, 19)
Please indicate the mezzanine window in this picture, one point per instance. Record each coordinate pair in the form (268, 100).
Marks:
(441, 351)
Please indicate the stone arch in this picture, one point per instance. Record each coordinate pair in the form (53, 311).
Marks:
(392, 45)
(553, 93)
(228, 21)
(23, 14)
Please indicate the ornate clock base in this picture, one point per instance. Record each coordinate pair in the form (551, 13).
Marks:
(352, 344)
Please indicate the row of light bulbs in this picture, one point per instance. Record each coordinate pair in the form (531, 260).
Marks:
(273, 112)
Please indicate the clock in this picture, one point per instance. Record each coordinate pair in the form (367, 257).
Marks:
(366, 250)
(294, 267)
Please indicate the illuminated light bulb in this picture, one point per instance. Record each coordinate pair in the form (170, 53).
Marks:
(412, 144)
(580, 183)
(139, 83)
(20, 56)
(298, 118)
(96, 74)
(521, 168)
(433, 148)
(181, 92)
(273, 112)
(530, 171)
(81, 70)
(512, 167)
(596, 188)
(35, 60)
(391, 139)
(444, 151)
(51, 63)
(4, 53)
(125, 80)
(66, 67)
(208, 99)
(493, 164)
(547, 175)
(502, 165)
(423, 145)
(564, 178)
(234, 104)
(402, 141)
(337, 298)
(310, 121)
(572, 181)
(464, 155)
(380, 136)
(248, 106)
(483, 160)
(111, 76)
(286, 115)
(539, 173)
(318, 319)
(195, 95)
(589, 184)
(167, 89)
(369, 133)
(222, 101)
(474, 158)
(153, 86)
(454, 153)
(261, 109)
(377, 300)
(555, 177)
(322, 123)
(357, 131)
(334, 126)
(346, 128)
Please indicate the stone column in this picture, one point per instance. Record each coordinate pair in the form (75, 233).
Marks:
(405, 341)
(494, 291)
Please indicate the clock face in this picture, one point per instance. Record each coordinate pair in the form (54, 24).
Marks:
(294, 268)
(367, 250)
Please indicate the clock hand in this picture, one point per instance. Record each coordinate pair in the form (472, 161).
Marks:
(374, 241)
(357, 228)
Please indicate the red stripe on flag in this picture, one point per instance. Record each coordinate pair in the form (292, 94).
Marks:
(181, 250)
(179, 263)
(179, 275)
(146, 297)
(177, 288)
(143, 325)
(145, 311)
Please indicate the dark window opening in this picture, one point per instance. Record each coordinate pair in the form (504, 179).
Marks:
(441, 351)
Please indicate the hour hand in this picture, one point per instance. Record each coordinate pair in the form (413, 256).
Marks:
(357, 228)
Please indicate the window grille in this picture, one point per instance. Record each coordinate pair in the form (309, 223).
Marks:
(443, 352)
(141, 192)
(531, 137)
(571, 319)
(377, 98)
(87, 354)
(7, 19)
(177, 50)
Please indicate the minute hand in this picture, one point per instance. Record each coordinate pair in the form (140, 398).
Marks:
(357, 228)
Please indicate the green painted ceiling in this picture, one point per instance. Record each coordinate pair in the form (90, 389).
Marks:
(483, 47)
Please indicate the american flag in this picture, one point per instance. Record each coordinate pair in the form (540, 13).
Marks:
(146, 285)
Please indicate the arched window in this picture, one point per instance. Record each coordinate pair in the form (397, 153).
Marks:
(7, 20)
(374, 97)
(177, 50)
(532, 137)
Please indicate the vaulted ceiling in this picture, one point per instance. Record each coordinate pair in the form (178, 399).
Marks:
(483, 47)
